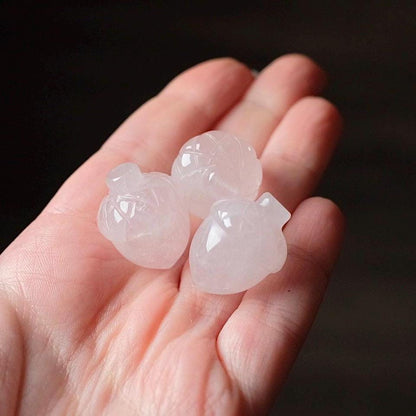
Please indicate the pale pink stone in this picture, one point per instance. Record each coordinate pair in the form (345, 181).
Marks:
(144, 216)
(238, 245)
(214, 166)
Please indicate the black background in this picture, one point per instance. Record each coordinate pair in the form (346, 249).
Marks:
(74, 72)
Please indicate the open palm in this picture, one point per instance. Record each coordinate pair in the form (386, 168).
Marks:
(84, 331)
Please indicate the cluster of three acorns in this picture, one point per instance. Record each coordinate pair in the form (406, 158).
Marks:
(216, 176)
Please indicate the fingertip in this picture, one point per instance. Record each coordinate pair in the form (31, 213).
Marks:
(222, 68)
(319, 115)
(228, 61)
(292, 64)
(319, 225)
(225, 63)
(327, 209)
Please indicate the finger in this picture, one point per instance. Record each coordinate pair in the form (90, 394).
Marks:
(265, 333)
(276, 89)
(152, 136)
(300, 149)
(296, 155)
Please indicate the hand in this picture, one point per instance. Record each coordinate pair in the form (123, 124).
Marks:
(84, 331)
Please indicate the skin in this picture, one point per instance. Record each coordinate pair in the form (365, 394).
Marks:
(83, 331)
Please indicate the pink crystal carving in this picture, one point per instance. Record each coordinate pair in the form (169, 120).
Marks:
(238, 245)
(214, 166)
(144, 216)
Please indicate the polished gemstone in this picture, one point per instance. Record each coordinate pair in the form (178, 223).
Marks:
(238, 244)
(214, 166)
(144, 216)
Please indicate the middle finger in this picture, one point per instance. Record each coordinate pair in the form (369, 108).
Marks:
(277, 88)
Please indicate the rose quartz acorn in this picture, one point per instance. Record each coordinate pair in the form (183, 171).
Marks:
(238, 245)
(144, 216)
(216, 165)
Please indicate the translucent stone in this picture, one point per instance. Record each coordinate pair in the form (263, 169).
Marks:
(144, 216)
(214, 166)
(238, 245)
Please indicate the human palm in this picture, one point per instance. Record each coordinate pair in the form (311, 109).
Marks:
(84, 331)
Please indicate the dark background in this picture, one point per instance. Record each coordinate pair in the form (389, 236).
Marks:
(73, 73)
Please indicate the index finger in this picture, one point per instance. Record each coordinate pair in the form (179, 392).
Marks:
(152, 135)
